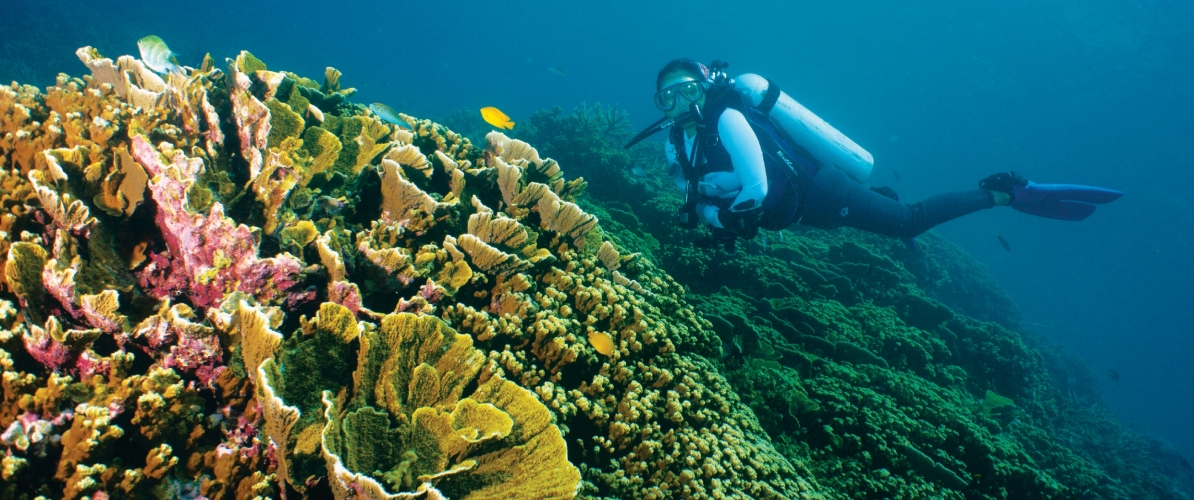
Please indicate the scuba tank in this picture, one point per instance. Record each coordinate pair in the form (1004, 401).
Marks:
(800, 143)
(825, 143)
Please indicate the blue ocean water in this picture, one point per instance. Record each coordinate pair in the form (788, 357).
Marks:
(942, 92)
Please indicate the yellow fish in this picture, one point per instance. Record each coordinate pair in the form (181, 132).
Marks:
(602, 342)
(496, 117)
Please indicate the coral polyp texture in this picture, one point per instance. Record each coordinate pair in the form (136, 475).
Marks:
(234, 282)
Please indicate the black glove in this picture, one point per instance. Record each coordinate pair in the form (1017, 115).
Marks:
(745, 224)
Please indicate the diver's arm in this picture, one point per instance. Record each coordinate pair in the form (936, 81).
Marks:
(747, 157)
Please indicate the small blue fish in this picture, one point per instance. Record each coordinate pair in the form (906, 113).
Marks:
(388, 115)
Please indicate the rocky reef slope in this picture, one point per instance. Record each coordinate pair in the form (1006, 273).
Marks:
(891, 372)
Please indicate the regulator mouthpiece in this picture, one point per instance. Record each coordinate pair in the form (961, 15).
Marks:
(659, 126)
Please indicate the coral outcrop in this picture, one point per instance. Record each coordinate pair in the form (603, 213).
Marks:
(235, 282)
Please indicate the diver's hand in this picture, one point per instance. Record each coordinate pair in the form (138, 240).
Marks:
(745, 223)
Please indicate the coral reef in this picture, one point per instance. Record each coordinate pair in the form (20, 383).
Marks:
(248, 280)
(588, 141)
(237, 283)
(885, 392)
(886, 371)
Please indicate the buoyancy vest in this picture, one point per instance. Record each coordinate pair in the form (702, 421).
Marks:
(789, 167)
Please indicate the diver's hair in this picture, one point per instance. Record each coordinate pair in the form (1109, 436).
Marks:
(689, 66)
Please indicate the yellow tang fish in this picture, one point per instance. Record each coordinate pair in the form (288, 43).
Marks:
(496, 117)
(156, 55)
(602, 342)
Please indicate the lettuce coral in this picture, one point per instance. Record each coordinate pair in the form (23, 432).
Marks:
(497, 441)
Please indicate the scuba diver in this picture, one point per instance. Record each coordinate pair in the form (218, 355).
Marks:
(748, 156)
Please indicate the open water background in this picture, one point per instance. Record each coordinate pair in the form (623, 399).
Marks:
(943, 92)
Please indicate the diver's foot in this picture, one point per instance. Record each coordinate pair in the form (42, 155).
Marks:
(1003, 186)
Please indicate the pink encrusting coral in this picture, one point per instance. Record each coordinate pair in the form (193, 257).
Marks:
(47, 351)
(207, 256)
(181, 344)
(346, 294)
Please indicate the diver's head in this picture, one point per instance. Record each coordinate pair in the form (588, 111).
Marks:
(679, 84)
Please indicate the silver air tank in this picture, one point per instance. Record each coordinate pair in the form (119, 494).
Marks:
(825, 143)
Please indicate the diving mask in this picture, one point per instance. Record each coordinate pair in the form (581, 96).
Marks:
(690, 90)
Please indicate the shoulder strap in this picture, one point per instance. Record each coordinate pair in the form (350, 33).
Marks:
(687, 217)
(682, 156)
(769, 97)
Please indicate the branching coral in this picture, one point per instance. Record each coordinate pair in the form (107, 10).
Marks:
(181, 343)
(609, 121)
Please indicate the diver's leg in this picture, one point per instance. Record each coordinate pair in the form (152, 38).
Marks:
(835, 200)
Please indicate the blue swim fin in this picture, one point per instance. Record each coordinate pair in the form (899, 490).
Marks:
(1061, 201)
(1073, 202)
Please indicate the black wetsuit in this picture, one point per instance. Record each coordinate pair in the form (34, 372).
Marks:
(833, 200)
(804, 191)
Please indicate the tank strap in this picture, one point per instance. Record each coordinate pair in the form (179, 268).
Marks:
(769, 98)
